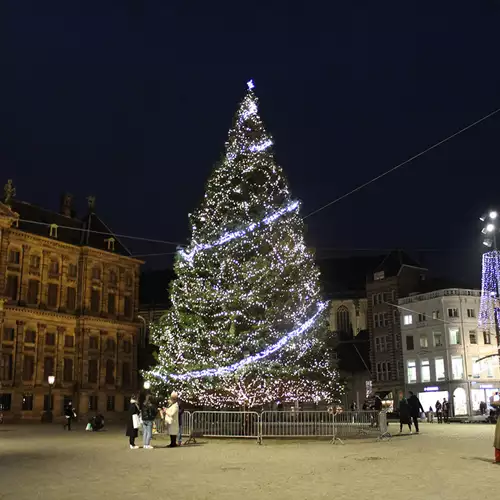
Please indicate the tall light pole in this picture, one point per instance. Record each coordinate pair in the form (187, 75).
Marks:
(51, 380)
(489, 231)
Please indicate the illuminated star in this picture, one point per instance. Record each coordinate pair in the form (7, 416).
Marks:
(250, 84)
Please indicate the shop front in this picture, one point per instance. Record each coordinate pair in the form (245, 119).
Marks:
(482, 393)
(431, 394)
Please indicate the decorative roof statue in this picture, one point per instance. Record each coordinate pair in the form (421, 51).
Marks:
(9, 192)
(91, 202)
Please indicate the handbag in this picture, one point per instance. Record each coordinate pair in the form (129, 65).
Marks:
(136, 421)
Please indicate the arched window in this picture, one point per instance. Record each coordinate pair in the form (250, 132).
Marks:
(110, 371)
(343, 320)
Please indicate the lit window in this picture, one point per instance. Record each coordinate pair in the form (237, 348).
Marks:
(476, 368)
(423, 341)
(425, 370)
(435, 314)
(407, 319)
(439, 365)
(487, 337)
(455, 336)
(411, 371)
(457, 367)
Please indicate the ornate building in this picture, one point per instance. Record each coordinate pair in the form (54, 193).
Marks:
(68, 309)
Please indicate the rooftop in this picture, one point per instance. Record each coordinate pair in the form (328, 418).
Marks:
(447, 292)
(89, 230)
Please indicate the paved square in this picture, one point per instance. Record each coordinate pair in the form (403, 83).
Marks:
(445, 461)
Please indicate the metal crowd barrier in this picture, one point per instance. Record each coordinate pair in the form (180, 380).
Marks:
(297, 424)
(352, 424)
(235, 424)
(287, 424)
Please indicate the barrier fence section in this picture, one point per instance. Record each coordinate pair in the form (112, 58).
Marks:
(351, 424)
(297, 424)
(291, 424)
(236, 424)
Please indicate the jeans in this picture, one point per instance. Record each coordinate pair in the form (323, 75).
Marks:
(147, 432)
(179, 436)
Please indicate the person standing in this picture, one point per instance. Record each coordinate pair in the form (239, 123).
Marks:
(172, 420)
(148, 414)
(446, 411)
(181, 418)
(496, 441)
(69, 414)
(415, 409)
(404, 414)
(439, 411)
(133, 422)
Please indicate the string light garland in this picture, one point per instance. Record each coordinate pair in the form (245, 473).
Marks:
(190, 254)
(223, 370)
(247, 323)
(489, 291)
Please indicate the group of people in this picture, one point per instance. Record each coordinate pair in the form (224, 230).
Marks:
(170, 416)
(410, 410)
(442, 412)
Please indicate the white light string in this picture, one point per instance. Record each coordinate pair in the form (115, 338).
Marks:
(224, 370)
(189, 256)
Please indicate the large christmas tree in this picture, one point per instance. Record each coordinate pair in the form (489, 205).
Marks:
(247, 324)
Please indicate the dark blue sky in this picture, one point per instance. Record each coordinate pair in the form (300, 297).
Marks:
(131, 101)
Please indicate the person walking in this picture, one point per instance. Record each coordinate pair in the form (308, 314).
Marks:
(404, 414)
(148, 415)
(439, 412)
(415, 409)
(69, 414)
(172, 420)
(133, 422)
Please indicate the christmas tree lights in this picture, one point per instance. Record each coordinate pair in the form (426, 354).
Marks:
(489, 291)
(247, 323)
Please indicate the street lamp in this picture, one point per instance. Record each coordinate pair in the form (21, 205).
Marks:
(147, 385)
(51, 380)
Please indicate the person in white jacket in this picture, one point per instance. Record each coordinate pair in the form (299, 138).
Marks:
(172, 420)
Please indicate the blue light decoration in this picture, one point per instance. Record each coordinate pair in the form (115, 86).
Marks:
(489, 291)
(250, 85)
(189, 255)
(224, 370)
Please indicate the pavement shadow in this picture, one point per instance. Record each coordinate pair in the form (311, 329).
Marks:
(480, 459)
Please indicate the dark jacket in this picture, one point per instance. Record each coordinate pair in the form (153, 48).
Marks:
(133, 410)
(439, 407)
(149, 412)
(415, 406)
(378, 404)
(404, 412)
(69, 412)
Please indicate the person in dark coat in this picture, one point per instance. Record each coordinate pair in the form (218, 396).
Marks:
(133, 422)
(404, 414)
(439, 411)
(415, 409)
(69, 414)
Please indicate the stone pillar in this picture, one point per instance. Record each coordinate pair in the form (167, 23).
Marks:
(17, 352)
(104, 289)
(4, 250)
(59, 355)
(25, 275)
(39, 357)
(63, 283)
(119, 359)
(44, 286)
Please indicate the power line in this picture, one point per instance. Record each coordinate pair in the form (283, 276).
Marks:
(139, 238)
(403, 163)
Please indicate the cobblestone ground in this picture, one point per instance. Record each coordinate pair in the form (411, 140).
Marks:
(445, 461)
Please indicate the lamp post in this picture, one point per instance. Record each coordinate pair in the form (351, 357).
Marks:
(490, 240)
(51, 380)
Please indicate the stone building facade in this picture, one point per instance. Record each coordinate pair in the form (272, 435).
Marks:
(68, 308)
(397, 276)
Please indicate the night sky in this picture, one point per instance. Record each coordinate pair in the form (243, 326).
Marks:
(131, 101)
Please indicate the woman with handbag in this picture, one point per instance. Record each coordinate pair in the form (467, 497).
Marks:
(133, 420)
(172, 420)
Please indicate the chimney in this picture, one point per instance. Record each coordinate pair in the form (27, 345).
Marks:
(66, 204)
